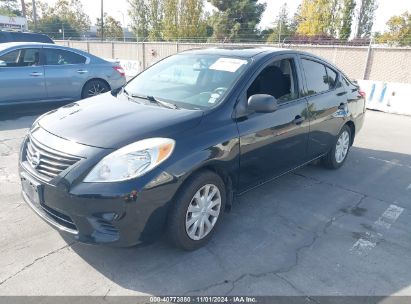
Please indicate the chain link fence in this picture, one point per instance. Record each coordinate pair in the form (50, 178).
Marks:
(373, 62)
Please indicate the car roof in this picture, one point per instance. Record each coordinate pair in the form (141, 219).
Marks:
(7, 45)
(235, 51)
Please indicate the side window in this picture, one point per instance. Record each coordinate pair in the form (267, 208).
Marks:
(10, 59)
(31, 57)
(278, 80)
(21, 58)
(62, 57)
(316, 77)
(331, 78)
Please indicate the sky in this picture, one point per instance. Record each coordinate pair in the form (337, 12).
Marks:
(118, 9)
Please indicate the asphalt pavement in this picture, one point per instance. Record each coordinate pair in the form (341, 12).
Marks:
(312, 232)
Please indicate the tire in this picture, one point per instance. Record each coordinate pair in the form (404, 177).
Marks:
(334, 160)
(181, 227)
(94, 87)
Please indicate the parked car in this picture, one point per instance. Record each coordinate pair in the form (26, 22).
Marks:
(6, 36)
(171, 150)
(38, 72)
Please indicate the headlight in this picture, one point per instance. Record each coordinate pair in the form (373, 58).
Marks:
(132, 160)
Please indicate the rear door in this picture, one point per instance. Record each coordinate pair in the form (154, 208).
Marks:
(273, 143)
(22, 76)
(327, 104)
(65, 73)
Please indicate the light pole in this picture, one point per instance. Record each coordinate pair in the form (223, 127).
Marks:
(62, 30)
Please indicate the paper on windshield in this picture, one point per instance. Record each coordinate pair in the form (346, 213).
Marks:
(227, 64)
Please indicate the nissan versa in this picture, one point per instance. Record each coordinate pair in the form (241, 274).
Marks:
(170, 150)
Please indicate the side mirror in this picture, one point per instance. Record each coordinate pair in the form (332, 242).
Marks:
(262, 103)
(3, 63)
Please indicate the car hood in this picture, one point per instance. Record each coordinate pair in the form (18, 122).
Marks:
(106, 121)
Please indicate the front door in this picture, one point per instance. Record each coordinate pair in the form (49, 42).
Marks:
(273, 143)
(22, 76)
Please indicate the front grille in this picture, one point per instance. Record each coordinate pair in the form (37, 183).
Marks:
(46, 161)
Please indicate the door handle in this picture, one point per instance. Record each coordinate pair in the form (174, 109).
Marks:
(82, 71)
(298, 120)
(36, 74)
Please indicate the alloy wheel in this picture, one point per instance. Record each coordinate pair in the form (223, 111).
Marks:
(96, 89)
(342, 146)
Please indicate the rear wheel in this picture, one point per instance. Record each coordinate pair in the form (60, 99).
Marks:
(338, 154)
(94, 87)
(197, 211)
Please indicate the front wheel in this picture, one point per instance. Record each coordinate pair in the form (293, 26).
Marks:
(338, 154)
(197, 211)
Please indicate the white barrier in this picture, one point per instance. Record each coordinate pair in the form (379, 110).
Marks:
(131, 67)
(388, 97)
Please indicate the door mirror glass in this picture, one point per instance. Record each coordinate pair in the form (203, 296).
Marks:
(262, 103)
(3, 63)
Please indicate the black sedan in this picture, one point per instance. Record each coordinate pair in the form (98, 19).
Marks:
(171, 150)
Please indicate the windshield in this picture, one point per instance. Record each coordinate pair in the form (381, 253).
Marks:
(189, 81)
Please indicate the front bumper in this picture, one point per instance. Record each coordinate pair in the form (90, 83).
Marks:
(118, 214)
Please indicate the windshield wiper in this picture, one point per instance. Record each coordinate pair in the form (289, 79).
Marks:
(152, 99)
(130, 96)
(163, 103)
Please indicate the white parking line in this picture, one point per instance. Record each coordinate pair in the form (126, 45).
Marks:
(391, 162)
(362, 246)
(389, 216)
(409, 187)
(366, 243)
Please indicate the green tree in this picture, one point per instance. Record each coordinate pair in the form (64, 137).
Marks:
(41, 10)
(236, 20)
(281, 26)
(155, 16)
(53, 26)
(317, 17)
(296, 20)
(138, 14)
(192, 24)
(399, 30)
(171, 20)
(10, 8)
(51, 19)
(147, 18)
(366, 16)
(71, 11)
(347, 15)
(112, 28)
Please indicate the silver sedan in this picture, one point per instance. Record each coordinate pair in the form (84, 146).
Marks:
(41, 72)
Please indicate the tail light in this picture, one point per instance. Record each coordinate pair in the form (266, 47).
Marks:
(362, 93)
(120, 70)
